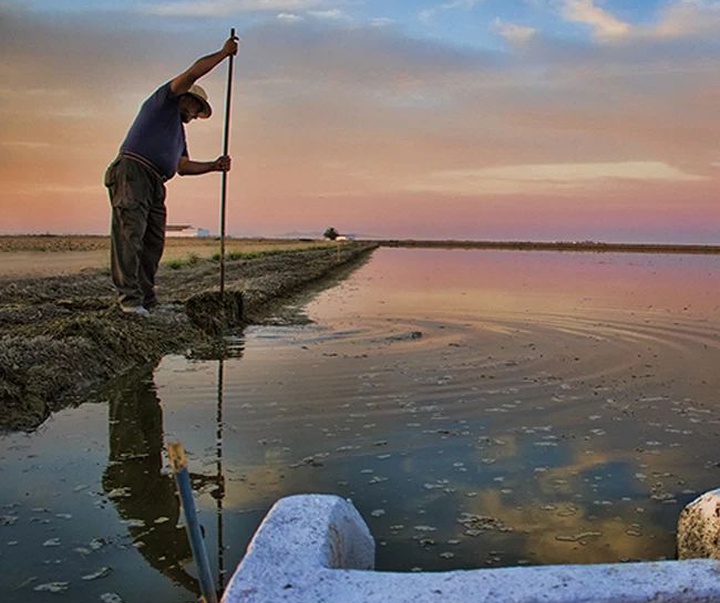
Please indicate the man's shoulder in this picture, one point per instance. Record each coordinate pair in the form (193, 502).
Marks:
(163, 93)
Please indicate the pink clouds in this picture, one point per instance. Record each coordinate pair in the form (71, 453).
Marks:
(381, 133)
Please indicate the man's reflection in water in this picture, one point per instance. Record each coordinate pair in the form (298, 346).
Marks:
(145, 495)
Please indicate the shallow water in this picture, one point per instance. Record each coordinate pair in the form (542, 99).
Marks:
(480, 408)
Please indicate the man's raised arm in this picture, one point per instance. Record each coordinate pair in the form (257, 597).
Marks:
(181, 83)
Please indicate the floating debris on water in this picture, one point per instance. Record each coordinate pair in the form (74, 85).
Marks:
(581, 538)
(97, 543)
(52, 587)
(315, 460)
(477, 524)
(101, 573)
(441, 484)
(567, 512)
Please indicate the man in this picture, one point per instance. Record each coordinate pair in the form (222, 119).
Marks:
(154, 151)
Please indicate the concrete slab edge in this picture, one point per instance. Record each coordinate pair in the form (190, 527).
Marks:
(317, 549)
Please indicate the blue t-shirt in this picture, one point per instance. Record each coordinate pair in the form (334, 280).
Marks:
(158, 133)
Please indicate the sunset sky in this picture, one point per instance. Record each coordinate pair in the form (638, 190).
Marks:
(465, 119)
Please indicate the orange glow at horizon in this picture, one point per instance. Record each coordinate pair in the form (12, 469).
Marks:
(614, 144)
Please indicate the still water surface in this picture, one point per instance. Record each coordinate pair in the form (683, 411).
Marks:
(480, 408)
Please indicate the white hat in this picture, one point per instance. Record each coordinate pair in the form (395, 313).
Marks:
(198, 92)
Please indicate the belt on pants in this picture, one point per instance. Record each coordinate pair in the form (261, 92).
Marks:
(145, 163)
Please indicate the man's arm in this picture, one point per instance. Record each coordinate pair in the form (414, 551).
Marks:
(187, 167)
(180, 84)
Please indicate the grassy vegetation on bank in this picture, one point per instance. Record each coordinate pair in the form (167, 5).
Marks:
(200, 245)
(51, 255)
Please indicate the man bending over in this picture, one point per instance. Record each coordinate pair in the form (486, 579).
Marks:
(154, 151)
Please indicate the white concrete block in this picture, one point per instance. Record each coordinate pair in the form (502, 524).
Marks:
(317, 549)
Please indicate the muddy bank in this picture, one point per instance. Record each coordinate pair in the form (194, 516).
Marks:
(62, 336)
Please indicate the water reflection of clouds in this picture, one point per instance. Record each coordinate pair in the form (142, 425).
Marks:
(531, 464)
(570, 532)
(553, 515)
(492, 439)
(582, 425)
(542, 486)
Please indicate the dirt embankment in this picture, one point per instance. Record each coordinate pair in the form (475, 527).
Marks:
(61, 336)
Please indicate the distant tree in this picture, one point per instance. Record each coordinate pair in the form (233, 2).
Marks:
(331, 233)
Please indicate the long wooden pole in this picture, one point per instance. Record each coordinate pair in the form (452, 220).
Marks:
(223, 199)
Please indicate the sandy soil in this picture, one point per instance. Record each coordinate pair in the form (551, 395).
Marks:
(48, 255)
(63, 334)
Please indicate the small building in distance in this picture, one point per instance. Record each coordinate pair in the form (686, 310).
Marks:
(185, 231)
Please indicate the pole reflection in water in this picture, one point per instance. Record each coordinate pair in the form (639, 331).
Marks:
(232, 347)
(220, 491)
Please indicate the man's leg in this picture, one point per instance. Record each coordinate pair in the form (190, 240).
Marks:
(128, 190)
(153, 245)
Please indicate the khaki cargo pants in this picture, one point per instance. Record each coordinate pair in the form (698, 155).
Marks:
(137, 196)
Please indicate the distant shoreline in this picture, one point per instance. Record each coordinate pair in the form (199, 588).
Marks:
(586, 246)
(58, 243)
